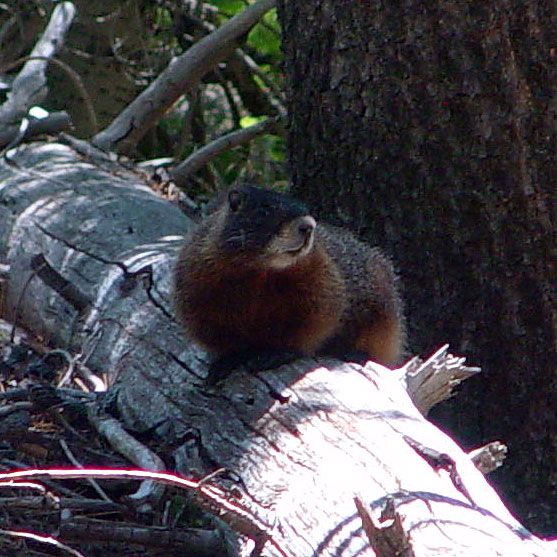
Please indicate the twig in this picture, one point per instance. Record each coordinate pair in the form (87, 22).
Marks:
(39, 503)
(49, 540)
(100, 491)
(190, 541)
(180, 76)
(60, 284)
(211, 498)
(278, 100)
(15, 407)
(71, 361)
(234, 112)
(26, 485)
(233, 139)
(54, 487)
(121, 441)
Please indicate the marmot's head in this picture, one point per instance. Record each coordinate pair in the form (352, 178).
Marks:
(270, 229)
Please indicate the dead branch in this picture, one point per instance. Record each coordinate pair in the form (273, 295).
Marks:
(47, 540)
(191, 541)
(202, 156)
(149, 493)
(489, 457)
(59, 503)
(181, 75)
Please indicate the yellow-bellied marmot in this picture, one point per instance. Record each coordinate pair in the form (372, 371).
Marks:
(259, 274)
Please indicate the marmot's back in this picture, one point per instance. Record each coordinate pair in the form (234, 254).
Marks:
(259, 275)
(373, 320)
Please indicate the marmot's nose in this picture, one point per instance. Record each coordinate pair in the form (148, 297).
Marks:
(306, 226)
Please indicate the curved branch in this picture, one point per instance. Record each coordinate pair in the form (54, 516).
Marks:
(75, 78)
(204, 155)
(29, 87)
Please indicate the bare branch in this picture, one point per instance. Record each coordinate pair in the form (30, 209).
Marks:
(71, 457)
(133, 450)
(277, 97)
(181, 75)
(29, 87)
(207, 153)
(190, 541)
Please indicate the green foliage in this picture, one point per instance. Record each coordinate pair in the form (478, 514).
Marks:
(225, 100)
(265, 37)
(229, 7)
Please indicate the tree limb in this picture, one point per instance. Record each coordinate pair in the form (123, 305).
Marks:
(208, 152)
(181, 75)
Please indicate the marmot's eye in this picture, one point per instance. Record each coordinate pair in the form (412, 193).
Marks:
(235, 199)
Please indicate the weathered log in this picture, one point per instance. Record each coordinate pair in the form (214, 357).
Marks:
(327, 458)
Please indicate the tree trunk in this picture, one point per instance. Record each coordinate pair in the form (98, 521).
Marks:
(322, 458)
(430, 129)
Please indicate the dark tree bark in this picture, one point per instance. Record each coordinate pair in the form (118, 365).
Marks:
(430, 129)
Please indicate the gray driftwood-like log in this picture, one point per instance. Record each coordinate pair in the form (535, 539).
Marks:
(325, 458)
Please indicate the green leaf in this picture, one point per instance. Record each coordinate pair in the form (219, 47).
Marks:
(248, 121)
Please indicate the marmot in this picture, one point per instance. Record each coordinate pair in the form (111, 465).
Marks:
(260, 275)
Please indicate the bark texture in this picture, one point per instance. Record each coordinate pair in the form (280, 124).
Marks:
(107, 235)
(430, 129)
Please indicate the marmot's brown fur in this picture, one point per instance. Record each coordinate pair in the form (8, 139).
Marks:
(258, 274)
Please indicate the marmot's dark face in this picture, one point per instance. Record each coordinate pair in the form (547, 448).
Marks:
(274, 228)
